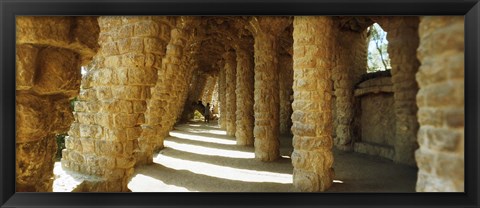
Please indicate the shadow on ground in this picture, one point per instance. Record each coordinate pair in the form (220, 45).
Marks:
(201, 157)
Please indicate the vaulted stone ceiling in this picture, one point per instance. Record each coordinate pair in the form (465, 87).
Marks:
(220, 34)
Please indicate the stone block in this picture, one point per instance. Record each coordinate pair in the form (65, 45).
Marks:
(109, 49)
(455, 117)
(117, 134)
(130, 92)
(116, 173)
(91, 131)
(142, 76)
(88, 145)
(107, 162)
(58, 71)
(126, 120)
(85, 118)
(139, 106)
(87, 94)
(33, 118)
(431, 117)
(104, 93)
(126, 31)
(146, 29)
(26, 65)
(44, 30)
(155, 46)
(130, 45)
(451, 167)
(134, 133)
(443, 139)
(125, 162)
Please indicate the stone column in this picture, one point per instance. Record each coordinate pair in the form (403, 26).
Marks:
(285, 87)
(197, 86)
(208, 91)
(312, 157)
(161, 108)
(49, 53)
(230, 81)
(189, 64)
(244, 92)
(441, 101)
(402, 36)
(215, 96)
(222, 121)
(350, 58)
(266, 31)
(112, 101)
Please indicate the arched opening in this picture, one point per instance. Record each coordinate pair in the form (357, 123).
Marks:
(378, 58)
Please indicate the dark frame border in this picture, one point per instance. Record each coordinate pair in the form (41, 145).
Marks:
(9, 9)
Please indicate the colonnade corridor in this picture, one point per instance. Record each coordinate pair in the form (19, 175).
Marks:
(201, 157)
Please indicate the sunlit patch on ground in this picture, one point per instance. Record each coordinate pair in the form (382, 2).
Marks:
(194, 159)
(222, 171)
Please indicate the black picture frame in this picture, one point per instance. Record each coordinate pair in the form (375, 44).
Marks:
(9, 9)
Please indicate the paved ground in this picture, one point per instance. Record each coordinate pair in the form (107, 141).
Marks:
(200, 157)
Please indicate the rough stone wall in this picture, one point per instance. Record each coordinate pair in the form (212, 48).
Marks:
(189, 64)
(378, 119)
(266, 130)
(350, 57)
(215, 96)
(374, 121)
(231, 103)
(244, 92)
(441, 114)
(403, 40)
(285, 88)
(222, 121)
(312, 157)
(49, 53)
(112, 101)
(161, 108)
(197, 86)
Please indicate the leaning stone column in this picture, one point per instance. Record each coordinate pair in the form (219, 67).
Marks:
(161, 109)
(285, 87)
(49, 53)
(112, 101)
(189, 65)
(208, 91)
(312, 157)
(244, 92)
(441, 101)
(230, 81)
(222, 121)
(266, 107)
(194, 94)
(403, 40)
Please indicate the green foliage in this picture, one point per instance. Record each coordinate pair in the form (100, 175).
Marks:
(60, 145)
(72, 103)
(197, 115)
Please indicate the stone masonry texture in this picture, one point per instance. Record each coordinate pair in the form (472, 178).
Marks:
(266, 107)
(117, 85)
(244, 92)
(49, 53)
(441, 114)
(230, 81)
(162, 106)
(312, 157)
(110, 110)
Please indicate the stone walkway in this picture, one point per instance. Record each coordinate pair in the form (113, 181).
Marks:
(200, 157)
